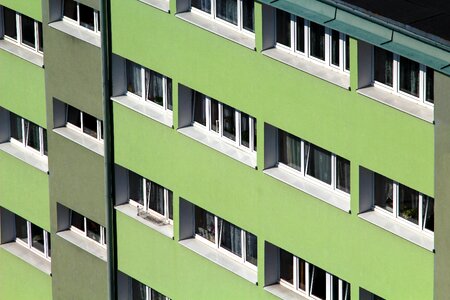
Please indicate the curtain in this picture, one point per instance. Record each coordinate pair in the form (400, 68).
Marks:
(229, 124)
(408, 202)
(16, 127)
(245, 130)
(138, 290)
(154, 87)
(32, 135)
(227, 10)
(343, 174)
(230, 237)
(318, 163)
(169, 93)
(289, 150)
(317, 40)
(134, 78)
(204, 5)
(155, 198)
(157, 296)
(248, 15)
(409, 76)
(251, 248)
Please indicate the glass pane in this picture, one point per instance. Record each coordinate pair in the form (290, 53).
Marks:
(86, 16)
(45, 142)
(157, 296)
(384, 193)
(230, 237)
(138, 290)
(248, 22)
(251, 248)
(428, 212)
(286, 266)
(289, 150)
(335, 58)
(28, 36)
(342, 174)
(227, 10)
(32, 135)
(345, 290)
(347, 53)
(204, 224)
(199, 107)
(49, 244)
(318, 162)
(301, 274)
(300, 34)
(73, 116)
(214, 115)
(16, 127)
(90, 125)
(254, 134)
(70, 9)
(229, 123)
(21, 229)
(41, 39)
(134, 78)
(154, 87)
(335, 288)
(204, 5)
(37, 238)
(383, 66)
(155, 194)
(245, 130)
(408, 202)
(170, 205)
(429, 89)
(10, 23)
(317, 40)
(93, 230)
(318, 284)
(76, 220)
(283, 28)
(409, 76)
(135, 187)
(169, 93)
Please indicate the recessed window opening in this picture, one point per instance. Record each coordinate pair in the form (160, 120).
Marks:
(81, 15)
(83, 122)
(87, 228)
(32, 237)
(27, 134)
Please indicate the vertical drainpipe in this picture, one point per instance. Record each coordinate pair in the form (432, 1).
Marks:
(105, 16)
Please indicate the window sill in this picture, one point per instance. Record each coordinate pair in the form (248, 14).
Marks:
(77, 32)
(84, 243)
(81, 139)
(316, 69)
(219, 29)
(23, 53)
(40, 162)
(283, 292)
(130, 210)
(29, 256)
(159, 4)
(396, 101)
(221, 259)
(217, 144)
(145, 109)
(327, 195)
(404, 231)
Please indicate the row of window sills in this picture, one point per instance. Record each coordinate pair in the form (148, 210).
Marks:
(36, 160)
(283, 292)
(81, 139)
(78, 32)
(30, 56)
(84, 243)
(28, 256)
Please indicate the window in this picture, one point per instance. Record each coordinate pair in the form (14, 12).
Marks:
(403, 203)
(403, 76)
(155, 201)
(224, 121)
(238, 13)
(27, 134)
(226, 237)
(149, 86)
(83, 122)
(311, 40)
(22, 30)
(311, 161)
(81, 15)
(32, 237)
(310, 280)
(87, 228)
(140, 291)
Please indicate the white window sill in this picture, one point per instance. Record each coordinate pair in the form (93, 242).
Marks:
(40, 162)
(314, 189)
(131, 211)
(218, 144)
(23, 53)
(159, 4)
(219, 29)
(388, 223)
(146, 109)
(84, 243)
(78, 32)
(221, 259)
(396, 101)
(284, 293)
(29, 256)
(81, 139)
(316, 69)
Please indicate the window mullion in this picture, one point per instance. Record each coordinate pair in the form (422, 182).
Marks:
(208, 113)
(78, 14)
(327, 46)
(29, 237)
(396, 72)
(41, 140)
(251, 139)
(144, 189)
(293, 32)
(24, 134)
(396, 197)
(143, 85)
(18, 28)
(333, 171)
(45, 242)
(164, 83)
(295, 265)
(420, 215)
(243, 243)
(342, 48)
(307, 35)
(307, 279)
(85, 226)
(220, 119)
(237, 125)
(81, 121)
(166, 203)
(216, 229)
(422, 83)
(302, 157)
(328, 287)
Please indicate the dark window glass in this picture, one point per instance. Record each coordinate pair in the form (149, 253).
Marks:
(317, 40)
(214, 115)
(136, 187)
(93, 230)
(408, 202)
(428, 212)
(286, 266)
(86, 16)
(300, 34)
(21, 229)
(32, 135)
(70, 9)
(254, 134)
(99, 23)
(342, 174)
(318, 283)
(134, 78)
(345, 290)
(230, 237)
(227, 10)
(90, 125)
(10, 23)
(283, 28)
(37, 238)
(77, 220)
(138, 290)
(199, 107)
(302, 274)
(204, 5)
(49, 244)
(429, 88)
(335, 288)
(335, 58)
(41, 39)
(157, 295)
(154, 87)
(155, 196)
(383, 192)
(169, 93)
(245, 130)
(251, 248)
(204, 224)
(347, 53)
(409, 76)
(45, 142)
(289, 150)
(28, 34)
(170, 205)
(318, 162)
(383, 66)
(229, 123)
(73, 116)
(16, 127)
(248, 22)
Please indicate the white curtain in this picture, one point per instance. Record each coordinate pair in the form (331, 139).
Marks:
(134, 78)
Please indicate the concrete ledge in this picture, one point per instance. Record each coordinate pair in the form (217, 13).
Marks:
(283, 292)
(28, 55)
(159, 4)
(84, 243)
(81, 139)
(40, 162)
(78, 32)
(29, 256)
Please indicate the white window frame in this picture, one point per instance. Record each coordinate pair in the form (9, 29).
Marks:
(237, 119)
(18, 41)
(302, 172)
(29, 243)
(307, 53)
(78, 21)
(395, 89)
(25, 138)
(85, 233)
(81, 129)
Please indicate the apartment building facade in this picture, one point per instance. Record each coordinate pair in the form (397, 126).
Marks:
(219, 149)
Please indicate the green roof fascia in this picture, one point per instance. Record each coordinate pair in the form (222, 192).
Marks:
(309, 9)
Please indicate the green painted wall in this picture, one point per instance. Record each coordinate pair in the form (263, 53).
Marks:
(31, 8)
